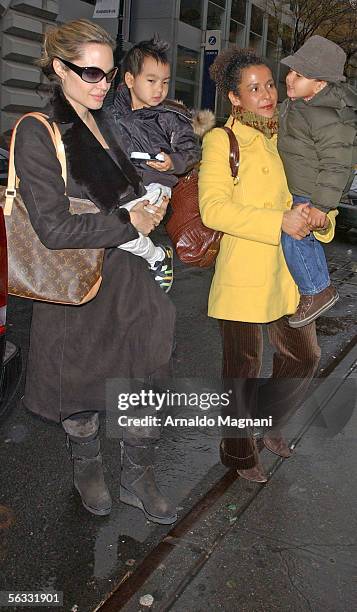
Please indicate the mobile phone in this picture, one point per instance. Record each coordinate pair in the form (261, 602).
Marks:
(140, 156)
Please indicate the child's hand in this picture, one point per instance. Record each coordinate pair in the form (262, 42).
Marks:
(161, 208)
(315, 218)
(163, 166)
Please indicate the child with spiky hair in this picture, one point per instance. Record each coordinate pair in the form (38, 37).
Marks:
(163, 129)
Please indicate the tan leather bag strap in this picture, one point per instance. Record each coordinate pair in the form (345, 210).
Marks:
(234, 153)
(12, 181)
(61, 154)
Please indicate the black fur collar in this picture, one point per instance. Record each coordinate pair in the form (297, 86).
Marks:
(61, 110)
(108, 177)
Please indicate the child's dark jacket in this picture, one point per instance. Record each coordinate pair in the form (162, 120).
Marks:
(318, 144)
(166, 127)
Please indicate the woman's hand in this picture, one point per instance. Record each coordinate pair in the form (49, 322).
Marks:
(145, 217)
(294, 222)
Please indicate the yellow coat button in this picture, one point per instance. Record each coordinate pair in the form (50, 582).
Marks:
(265, 170)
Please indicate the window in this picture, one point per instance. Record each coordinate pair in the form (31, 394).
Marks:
(187, 64)
(273, 29)
(215, 16)
(257, 20)
(191, 12)
(238, 10)
(186, 93)
(237, 27)
(272, 42)
(287, 38)
(236, 33)
(256, 29)
(224, 109)
(187, 75)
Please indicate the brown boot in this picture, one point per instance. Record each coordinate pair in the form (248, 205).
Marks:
(275, 442)
(313, 306)
(254, 474)
(138, 486)
(88, 475)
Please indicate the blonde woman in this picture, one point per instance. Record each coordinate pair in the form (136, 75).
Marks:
(127, 329)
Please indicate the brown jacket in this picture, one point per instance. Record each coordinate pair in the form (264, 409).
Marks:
(127, 329)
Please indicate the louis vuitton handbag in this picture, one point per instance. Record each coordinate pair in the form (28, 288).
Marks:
(66, 276)
(196, 244)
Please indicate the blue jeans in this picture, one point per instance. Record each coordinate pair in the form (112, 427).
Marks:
(306, 260)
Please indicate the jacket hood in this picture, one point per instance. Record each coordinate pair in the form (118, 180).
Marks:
(202, 120)
(339, 96)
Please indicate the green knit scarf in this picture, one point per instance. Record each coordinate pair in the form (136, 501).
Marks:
(267, 125)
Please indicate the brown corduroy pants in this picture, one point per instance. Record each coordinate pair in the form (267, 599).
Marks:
(295, 361)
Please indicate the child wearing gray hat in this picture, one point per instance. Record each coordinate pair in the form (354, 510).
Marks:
(317, 142)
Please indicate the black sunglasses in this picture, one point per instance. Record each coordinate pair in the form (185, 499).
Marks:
(91, 74)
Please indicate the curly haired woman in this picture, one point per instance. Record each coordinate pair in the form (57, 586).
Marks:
(252, 284)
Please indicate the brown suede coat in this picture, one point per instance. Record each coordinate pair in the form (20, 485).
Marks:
(127, 329)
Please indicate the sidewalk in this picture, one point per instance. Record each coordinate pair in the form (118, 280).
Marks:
(289, 545)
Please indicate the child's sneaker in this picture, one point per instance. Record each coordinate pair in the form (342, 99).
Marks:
(313, 306)
(163, 269)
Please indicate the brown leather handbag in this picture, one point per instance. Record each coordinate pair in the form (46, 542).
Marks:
(196, 244)
(66, 276)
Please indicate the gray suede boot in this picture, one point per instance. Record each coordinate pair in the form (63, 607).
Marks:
(88, 478)
(138, 486)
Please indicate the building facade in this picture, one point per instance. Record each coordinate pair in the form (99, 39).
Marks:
(23, 24)
(183, 23)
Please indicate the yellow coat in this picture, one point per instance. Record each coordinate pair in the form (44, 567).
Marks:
(251, 282)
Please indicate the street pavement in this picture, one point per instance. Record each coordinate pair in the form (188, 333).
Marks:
(290, 545)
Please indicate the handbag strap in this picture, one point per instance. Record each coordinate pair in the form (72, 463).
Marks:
(61, 154)
(13, 181)
(234, 152)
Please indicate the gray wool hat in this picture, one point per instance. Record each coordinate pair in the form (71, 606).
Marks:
(318, 58)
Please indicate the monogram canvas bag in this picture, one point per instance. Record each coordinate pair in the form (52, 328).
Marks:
(65, 276)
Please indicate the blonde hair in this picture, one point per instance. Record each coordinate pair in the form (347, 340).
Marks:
(66, 42)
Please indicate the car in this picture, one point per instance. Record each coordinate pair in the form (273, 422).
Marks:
(347, 210)
(10, 354)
